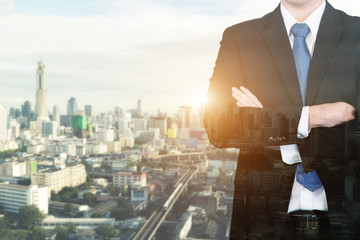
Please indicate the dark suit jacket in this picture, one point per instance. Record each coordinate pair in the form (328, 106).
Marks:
(257, 54)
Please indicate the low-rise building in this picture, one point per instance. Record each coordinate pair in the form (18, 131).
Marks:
(59, 207)
(208, 200)
(80, 223)
(129, 178)
(13, 169)
(56, 179)
(81, 194)
(13, 197)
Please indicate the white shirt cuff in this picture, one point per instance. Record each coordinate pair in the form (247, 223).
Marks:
(303, 127)
(290, 154)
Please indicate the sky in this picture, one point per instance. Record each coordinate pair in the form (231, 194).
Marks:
(109, 53)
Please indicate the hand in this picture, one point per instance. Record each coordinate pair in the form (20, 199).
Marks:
(244, 98)
(330, 114)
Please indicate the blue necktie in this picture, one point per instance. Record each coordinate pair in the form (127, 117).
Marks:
(301, 55)
(309, 180)
(302, 59)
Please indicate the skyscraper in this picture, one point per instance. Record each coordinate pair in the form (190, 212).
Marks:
(3, 125)
(185, 115)
(72, 107)
(26, 109)
(88, 110)
(40, 108)
(139, 111)
(56, 114)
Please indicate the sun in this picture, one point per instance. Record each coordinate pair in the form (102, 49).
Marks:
(200, 99)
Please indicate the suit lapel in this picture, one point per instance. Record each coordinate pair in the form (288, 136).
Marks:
(326, 41)
(278, 44)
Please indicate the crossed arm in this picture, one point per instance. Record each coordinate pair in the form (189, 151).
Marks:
(322, 115)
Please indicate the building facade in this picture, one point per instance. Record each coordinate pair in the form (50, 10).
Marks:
(56, 179)
(129, 178)
(13, 197)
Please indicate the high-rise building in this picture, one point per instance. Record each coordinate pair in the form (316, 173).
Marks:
(49, 128)
(108, 120)
(14, 129)
(13, 197)
(40, 108)
(79, 122)
(140, 124)
(160, 123)
(117, 111)
(88, 110)
(56, 114)
(3, 124)
(125, 123)
(139, 111)
(79, 125)
(12, 112)
(185, 115)
(26, 109)
(72, 106)
(17, 112)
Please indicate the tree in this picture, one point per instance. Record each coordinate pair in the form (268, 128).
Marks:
(38, 233)
(7, 221)
(89, 180)
(69, 210)
(105, 231)
(6, 233)
(21, 234)
(29, 215)
(61, 233)
(90, 199)
(96, 215)
(70, 227)
(67, 193)
(119, 213)
(54, 196)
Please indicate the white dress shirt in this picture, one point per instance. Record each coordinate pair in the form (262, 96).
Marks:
(302, 198)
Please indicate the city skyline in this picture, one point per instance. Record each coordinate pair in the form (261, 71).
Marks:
(107, 53)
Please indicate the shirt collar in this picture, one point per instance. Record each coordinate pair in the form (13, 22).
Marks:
(313, 20)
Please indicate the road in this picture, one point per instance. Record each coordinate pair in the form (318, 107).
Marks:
(153, 223)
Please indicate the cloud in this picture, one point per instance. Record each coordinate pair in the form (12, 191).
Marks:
(114, 52)
(6, 6)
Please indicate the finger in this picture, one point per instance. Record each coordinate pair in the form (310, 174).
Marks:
(245, 103)
(243, 100)
(247, 94)
(251, 96)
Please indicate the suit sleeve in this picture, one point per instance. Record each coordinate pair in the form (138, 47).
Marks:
(220, 104)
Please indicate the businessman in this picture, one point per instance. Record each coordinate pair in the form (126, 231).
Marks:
(295, 74)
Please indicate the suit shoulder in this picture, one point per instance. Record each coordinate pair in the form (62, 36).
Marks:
(249, 25)
(348, 19)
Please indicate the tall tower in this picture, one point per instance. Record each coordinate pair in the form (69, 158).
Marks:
(41, 108)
